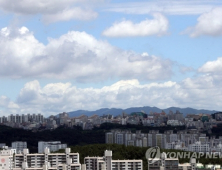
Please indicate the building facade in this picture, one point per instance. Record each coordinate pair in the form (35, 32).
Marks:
(52, 145)
(19, 146)
(47, 160)
(106, 163)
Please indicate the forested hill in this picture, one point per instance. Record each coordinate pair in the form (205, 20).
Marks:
(122, 152)
(71, 136)
(89, 143)
(76, 136)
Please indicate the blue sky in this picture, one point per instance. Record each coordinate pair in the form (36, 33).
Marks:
(78, 54)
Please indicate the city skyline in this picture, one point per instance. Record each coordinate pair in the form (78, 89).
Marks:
(85, 55)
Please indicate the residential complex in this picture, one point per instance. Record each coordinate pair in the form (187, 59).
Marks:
(71, 161)
(186, 140)
(25, 121)
(47, 160)
(106, 162)
(191, 139)
(19, 146)
(38, 122)
(63, 161)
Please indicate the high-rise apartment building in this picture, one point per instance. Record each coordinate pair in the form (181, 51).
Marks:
(168, 139)
(6, 159)
(109, 138)
(119, 139)
(19, 146)
(52, 145)
(160, 140)
(38, 118)
(3, 119)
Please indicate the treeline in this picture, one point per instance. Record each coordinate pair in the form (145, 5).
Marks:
(216, 131)
(71, 136)
(90, 142)
(122, 152)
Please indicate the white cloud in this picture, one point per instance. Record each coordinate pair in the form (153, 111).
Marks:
(173, 7)
(52, 10)
(209, 23)
(58, 97)
(214, 67)
(75, 55)
(18, 47)
(69, 14)
(202, 92)
(157, 26)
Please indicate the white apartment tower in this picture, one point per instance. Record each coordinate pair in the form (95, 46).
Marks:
(199, 147)
(106, 163)
(119, 139)
(108, 159)
(47, 160)
(109, 138)
(23, 118)
(6, 159)
(160, 140)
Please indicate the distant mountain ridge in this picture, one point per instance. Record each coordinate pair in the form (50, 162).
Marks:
(147, 109)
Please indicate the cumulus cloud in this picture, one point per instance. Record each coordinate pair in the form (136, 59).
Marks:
(75, 55)
(58, 97)
(209, 23)
(202, 92)
(156, 26)
(213, 67)
(52, 10)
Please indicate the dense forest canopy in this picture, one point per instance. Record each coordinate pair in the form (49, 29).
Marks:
(75, 135)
